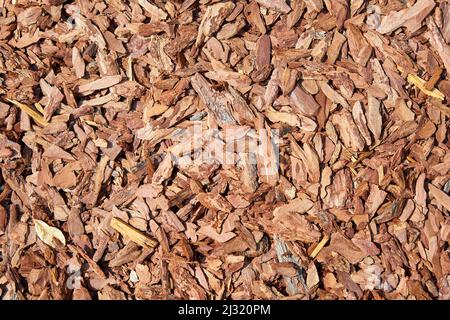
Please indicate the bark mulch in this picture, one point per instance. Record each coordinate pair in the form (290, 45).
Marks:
(202, 149)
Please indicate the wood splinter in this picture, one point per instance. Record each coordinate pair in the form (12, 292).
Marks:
(319, 246)
(132, 233)
(420, 83)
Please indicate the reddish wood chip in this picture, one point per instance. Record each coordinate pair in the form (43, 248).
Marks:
(224, 150)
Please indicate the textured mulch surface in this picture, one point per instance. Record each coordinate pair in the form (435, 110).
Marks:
(251, 149)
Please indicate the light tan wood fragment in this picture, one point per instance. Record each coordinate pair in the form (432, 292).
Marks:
(132, 233)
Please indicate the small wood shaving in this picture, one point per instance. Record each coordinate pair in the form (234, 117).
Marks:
(32, 113)
(132, 233)
(319, 247)
(420, 83)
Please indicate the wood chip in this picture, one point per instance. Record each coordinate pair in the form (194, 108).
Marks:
(420, 83)
(32, 113)
(132, 233)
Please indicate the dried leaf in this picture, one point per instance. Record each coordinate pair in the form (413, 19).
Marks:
(48, 234)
